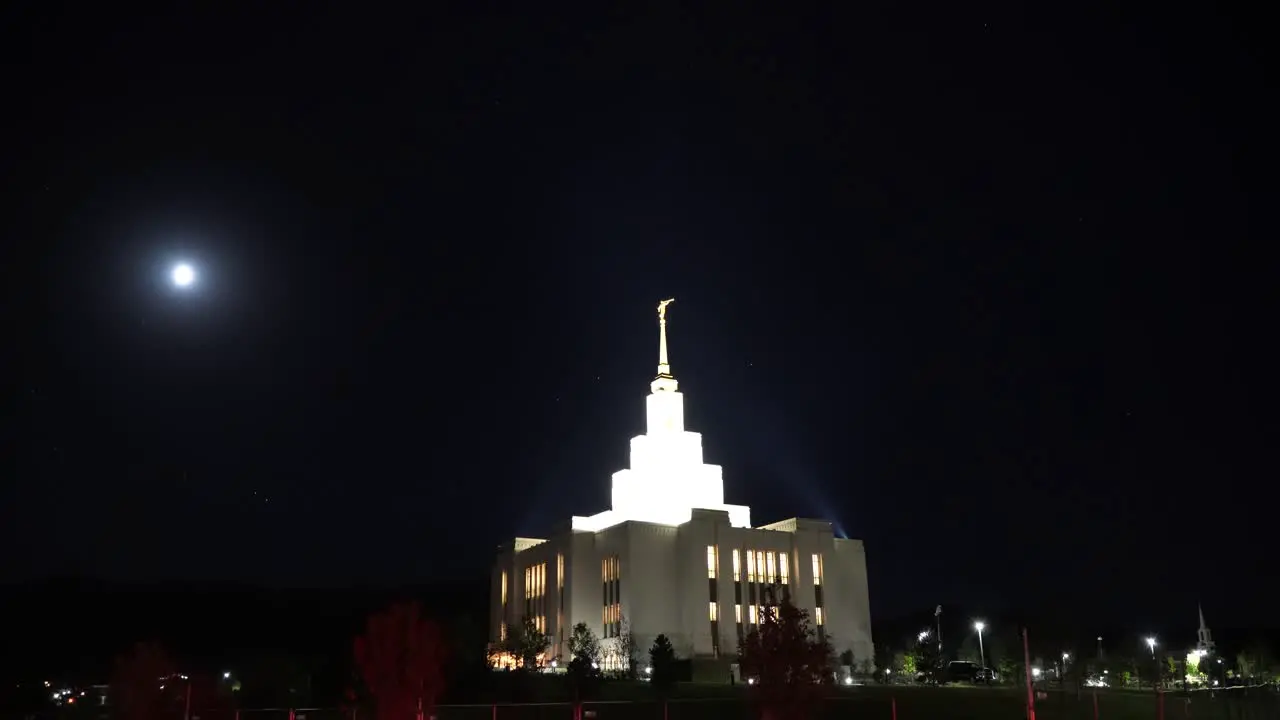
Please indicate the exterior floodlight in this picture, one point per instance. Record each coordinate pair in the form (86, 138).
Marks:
(982, 653)
(183, 275)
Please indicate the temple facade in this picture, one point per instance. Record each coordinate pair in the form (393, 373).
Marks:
(671, 557)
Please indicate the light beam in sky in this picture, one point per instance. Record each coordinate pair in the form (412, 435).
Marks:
(183, 275)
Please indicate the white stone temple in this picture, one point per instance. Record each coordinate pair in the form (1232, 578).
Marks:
(671, 557)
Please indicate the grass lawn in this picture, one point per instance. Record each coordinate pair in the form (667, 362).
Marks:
(691, 701)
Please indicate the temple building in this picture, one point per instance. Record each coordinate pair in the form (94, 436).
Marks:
(671, 557)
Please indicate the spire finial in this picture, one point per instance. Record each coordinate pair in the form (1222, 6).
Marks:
(664, 368)
(664, 380)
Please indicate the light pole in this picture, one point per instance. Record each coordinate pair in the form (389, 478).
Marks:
(1155, 666)
(982, 653)
(937, 616)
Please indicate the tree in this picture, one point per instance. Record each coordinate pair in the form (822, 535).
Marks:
(628, 650)
(138, 689)
(927, 658)
(401, 660)
(788, 662)
(529, 644)
(905, 663)
(662, 659)
(585, 651)
(969, 650)
(1257, 664)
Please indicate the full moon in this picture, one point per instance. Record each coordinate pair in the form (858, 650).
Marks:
(183, 275)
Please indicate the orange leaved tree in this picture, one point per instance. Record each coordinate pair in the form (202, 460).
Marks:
(400, 658)
(142, 686)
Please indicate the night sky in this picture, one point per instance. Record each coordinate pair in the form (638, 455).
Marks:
(984, 288)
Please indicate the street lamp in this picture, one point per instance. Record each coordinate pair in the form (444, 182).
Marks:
(922, 635)
(982, 653)
(1151, 643)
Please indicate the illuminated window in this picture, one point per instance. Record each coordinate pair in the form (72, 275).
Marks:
(504, 587)
(737, 566)
(528, 582)
(737, 613)
(751, 614)
(817, 615)
(712, 560)
(782, 568)
(817, 569)
(502, 631)
(713, 611)
(770, 565)
(760, 576)
(560, 571)
(611, 616)
(751, 566)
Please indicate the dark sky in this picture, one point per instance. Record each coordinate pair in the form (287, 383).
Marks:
(986, 288)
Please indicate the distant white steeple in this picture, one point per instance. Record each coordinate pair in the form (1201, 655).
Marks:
(1204, 639)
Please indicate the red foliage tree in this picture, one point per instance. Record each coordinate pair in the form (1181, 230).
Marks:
(139, 688)
(401, 657)
(788, 665)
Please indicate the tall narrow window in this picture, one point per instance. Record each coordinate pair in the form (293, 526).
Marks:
(504, 588)
(737, 613)
(712, 560)
(817, 616)
(770, 567)
(611, 615)
(751, 614)
(737, 566)
(782, 568)
(713, 612)
(817, 569)
(751, 566)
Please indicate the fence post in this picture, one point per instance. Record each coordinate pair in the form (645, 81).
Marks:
(1095, 705)
(495, 711)
(893, 705)
(1160, 703)
(1026, 664)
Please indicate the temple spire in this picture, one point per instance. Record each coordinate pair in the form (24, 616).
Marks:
(664, 381)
